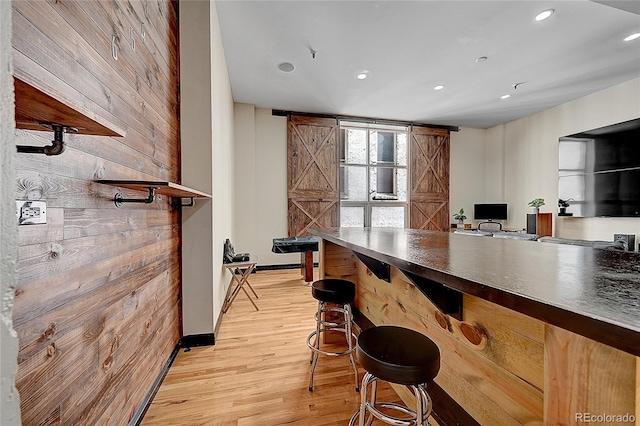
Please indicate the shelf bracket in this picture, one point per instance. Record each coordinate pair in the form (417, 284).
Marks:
(178, 204)
(118, 199)
(380, 269)
(449, 301)
(57, 145)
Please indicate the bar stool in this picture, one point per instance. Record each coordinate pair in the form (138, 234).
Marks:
(396, 355)
(334, 297)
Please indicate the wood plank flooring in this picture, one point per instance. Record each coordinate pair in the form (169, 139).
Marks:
(258, 371)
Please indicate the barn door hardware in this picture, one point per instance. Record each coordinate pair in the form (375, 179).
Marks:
(118, 199)
(57, 145)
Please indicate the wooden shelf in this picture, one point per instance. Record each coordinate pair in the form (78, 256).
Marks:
(162, 188)
(33, 106)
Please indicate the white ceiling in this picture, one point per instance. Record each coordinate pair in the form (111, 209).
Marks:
(408, 47)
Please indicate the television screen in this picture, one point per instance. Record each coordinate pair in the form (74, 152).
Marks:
(497, 211)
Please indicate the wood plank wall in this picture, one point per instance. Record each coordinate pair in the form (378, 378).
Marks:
(97, 307)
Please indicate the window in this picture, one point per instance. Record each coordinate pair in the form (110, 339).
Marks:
(572, 177)
(373, 175)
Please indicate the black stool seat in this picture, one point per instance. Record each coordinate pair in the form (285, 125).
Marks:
(333, 290)
(398, 355)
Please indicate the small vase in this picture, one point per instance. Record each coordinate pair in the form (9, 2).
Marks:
(534, 210)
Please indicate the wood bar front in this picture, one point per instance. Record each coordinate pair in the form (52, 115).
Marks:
(540, 341)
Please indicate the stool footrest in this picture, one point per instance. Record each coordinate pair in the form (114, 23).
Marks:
(318, 350)
(369, 406)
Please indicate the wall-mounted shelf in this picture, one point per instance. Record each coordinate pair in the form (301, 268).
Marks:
(33, 106)
(154, 188)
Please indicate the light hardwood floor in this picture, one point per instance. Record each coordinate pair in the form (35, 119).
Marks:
(258, 371)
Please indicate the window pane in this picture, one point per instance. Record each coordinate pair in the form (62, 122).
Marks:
(356, 140)
(356, 183)
(387, 216)
(352, 216)
(384, 183)
(386, 147)
(381, 147)
(572, 155)
(401, 184)
(401, 149)
(572, 187)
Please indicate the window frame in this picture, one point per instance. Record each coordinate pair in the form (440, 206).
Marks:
(370, 165)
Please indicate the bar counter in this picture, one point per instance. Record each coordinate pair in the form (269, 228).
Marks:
(530, 333)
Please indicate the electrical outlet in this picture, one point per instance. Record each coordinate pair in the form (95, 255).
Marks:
(31, 212)
(629, 240)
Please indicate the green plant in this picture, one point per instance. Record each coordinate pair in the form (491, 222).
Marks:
(460, 216)
(537, 202)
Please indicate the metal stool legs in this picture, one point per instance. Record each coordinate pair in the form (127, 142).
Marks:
(368, 406)
(344, 325)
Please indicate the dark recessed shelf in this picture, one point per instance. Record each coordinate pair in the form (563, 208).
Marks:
(33, 107)
(161, 187)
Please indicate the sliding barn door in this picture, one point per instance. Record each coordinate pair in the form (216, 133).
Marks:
(429, 170)
(312, 173)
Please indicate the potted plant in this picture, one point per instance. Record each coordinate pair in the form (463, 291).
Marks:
(535, 205)
(460, 217)
(563, 204)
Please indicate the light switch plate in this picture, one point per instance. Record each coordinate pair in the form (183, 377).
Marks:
(31, 212)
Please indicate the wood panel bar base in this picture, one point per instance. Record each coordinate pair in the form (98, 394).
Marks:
(499, 366)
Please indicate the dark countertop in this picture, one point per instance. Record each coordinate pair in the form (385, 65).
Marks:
(591, 292)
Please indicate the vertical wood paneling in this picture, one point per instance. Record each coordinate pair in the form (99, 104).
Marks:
(97, 307)
(312, 173)
(429, 179)
(586, 378)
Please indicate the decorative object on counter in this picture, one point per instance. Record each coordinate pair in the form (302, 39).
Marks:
(460, 217)
(563, 204)
(535, 205)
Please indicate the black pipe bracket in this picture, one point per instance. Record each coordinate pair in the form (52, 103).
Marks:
(57, 145)
(119, 200)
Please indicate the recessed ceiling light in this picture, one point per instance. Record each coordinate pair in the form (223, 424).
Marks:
(481, 59)
(361, 76)
(632, 37)
(439, 87)
(505, 96)
(544, 15)
(286, 67)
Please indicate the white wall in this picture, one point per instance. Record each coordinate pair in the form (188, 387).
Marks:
(261, 183)
(9, 398)
(467, 165)
(207, 164)
(223, 162)
(530, 163)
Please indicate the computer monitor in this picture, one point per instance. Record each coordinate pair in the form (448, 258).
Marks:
(494, 211)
